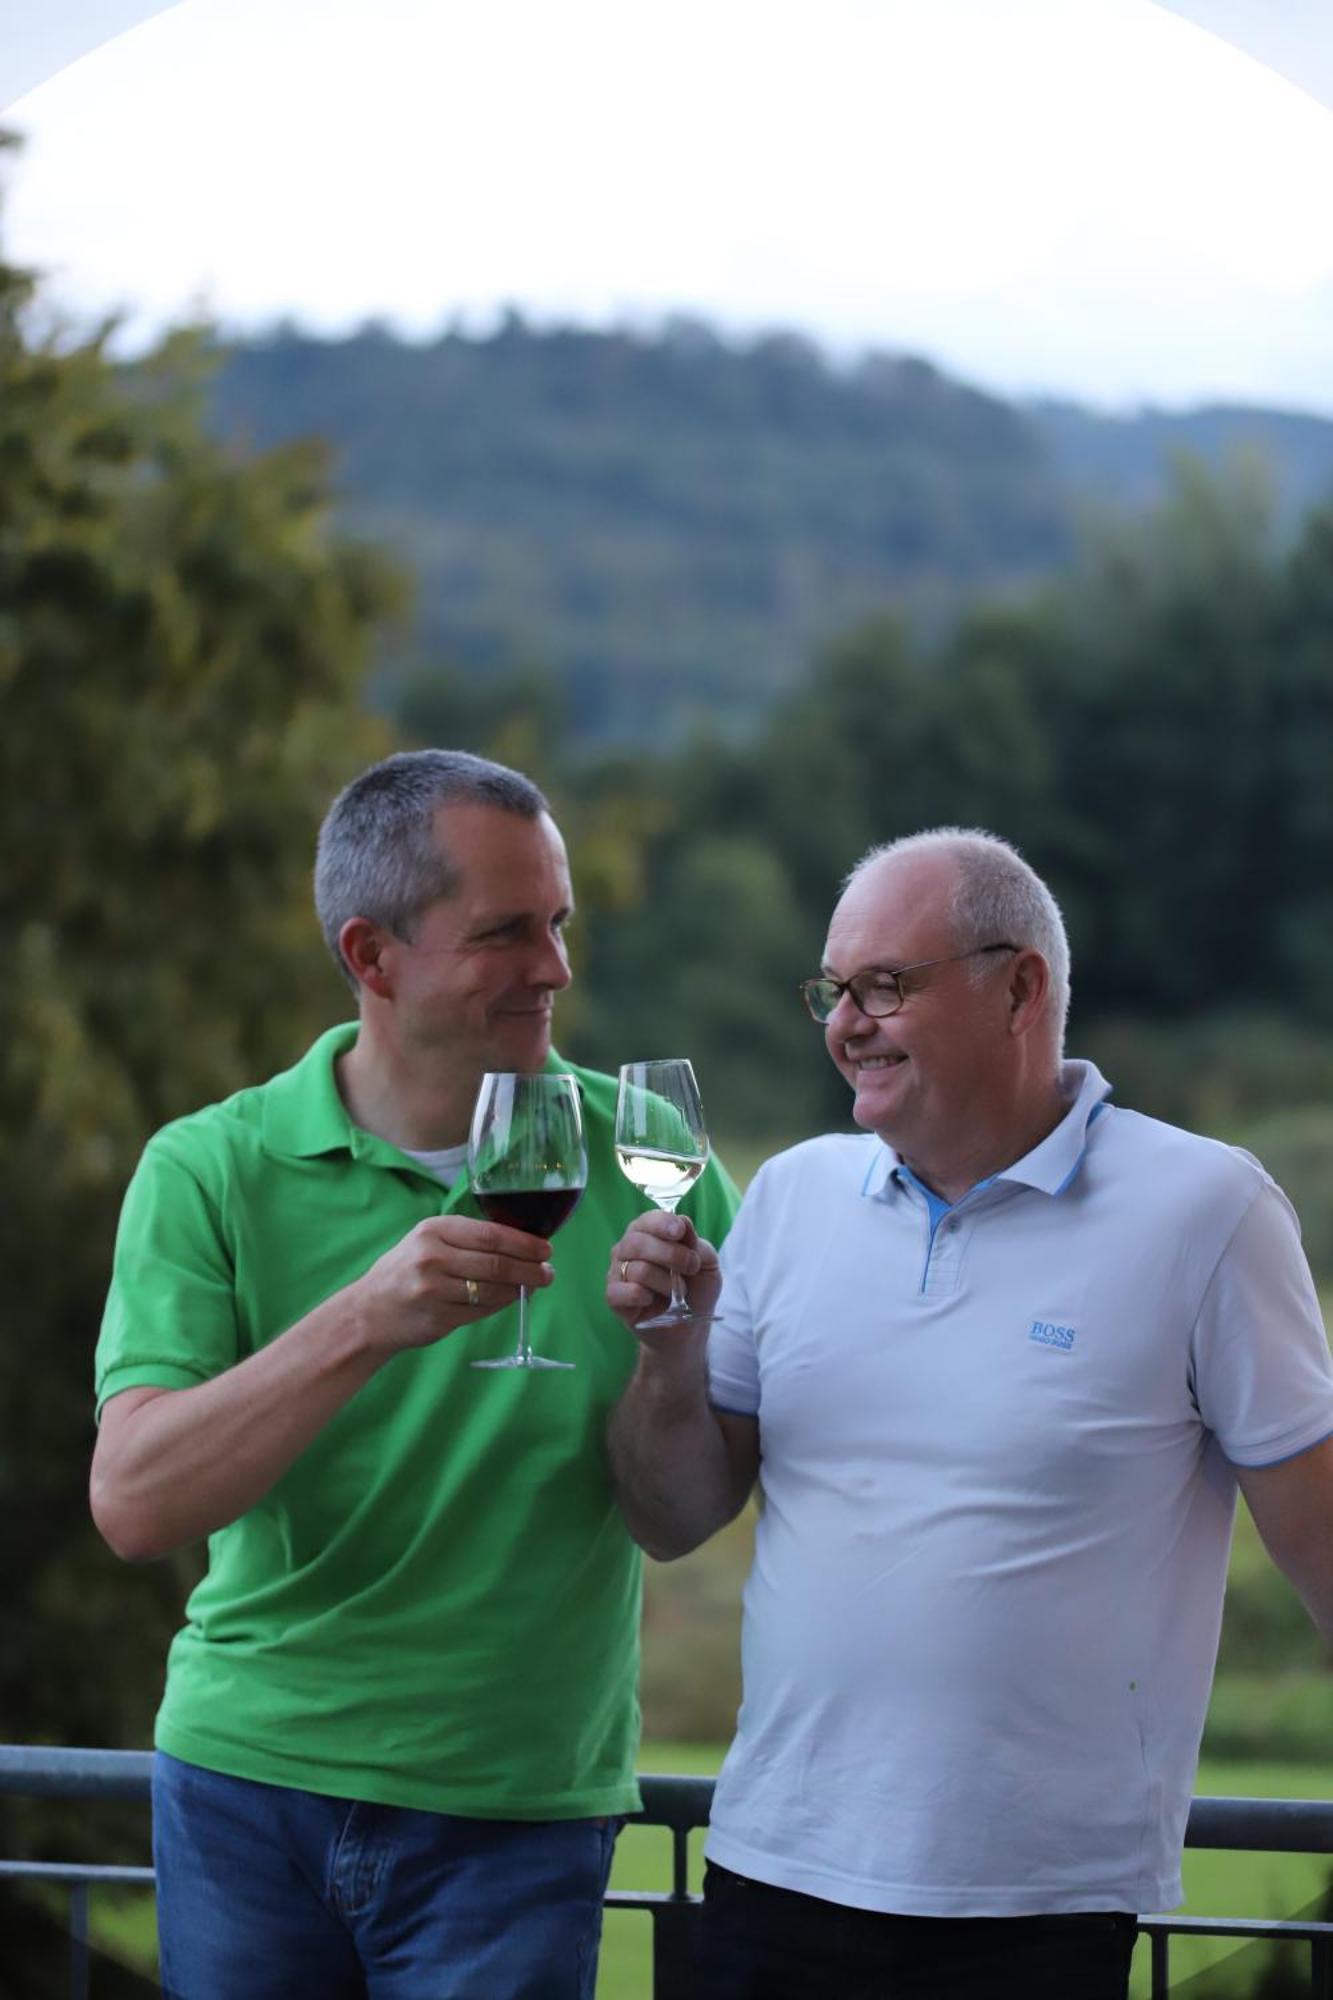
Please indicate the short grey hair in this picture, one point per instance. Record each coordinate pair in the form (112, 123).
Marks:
(377, 855)
(997, 897)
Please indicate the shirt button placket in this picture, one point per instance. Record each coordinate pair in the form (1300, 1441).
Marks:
(944, 1252)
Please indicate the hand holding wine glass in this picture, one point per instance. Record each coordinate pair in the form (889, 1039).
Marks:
(528, 1165)
(652, 1250)
(662, 1147)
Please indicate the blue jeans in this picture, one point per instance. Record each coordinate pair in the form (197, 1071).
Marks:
(264, 1892)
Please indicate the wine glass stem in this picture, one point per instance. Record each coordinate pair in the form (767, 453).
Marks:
(523, 1353)
(680, 1302)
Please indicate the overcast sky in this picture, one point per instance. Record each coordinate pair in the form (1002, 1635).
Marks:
(1088, 197)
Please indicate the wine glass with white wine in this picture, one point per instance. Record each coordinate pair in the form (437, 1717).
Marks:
(662, 1147)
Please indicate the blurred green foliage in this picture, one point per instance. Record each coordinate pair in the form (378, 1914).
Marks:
(183, 646)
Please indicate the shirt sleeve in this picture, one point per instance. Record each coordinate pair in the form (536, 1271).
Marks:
(733, 1360)
(170, 1318)
(1262, 1375)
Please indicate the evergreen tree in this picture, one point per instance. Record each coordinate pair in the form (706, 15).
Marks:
(182, 646)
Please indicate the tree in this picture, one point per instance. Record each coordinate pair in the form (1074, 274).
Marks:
(182, 646)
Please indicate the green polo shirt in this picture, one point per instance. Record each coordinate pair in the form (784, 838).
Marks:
(437, 1605)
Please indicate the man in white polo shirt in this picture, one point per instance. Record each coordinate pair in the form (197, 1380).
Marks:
(999, 1365)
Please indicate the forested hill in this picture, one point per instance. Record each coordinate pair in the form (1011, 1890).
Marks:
(1122, 459)
(672, 523)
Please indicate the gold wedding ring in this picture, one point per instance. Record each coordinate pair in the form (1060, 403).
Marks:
(624, 1270)
(473, 1291)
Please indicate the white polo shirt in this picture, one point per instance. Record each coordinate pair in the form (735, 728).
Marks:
(980, 1627)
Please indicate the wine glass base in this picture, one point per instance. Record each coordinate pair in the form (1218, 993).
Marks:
(524, 1361)
(664, 1321)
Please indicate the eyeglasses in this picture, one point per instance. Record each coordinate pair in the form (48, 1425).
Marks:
(877, 992)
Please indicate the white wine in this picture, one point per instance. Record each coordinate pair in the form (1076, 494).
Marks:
(662, 1146)
(663, 1177)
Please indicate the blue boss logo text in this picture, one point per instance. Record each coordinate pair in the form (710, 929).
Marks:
(1049, 1335)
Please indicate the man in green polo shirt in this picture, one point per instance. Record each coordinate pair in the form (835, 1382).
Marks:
(399, 1723)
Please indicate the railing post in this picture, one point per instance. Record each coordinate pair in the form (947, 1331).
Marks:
(1321, 1968)
(676, 1927)
(1161, 1965)
(675, 1931)
(78, 1941)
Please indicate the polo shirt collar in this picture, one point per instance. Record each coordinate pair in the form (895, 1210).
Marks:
(304, 1115)
(1052, 1164)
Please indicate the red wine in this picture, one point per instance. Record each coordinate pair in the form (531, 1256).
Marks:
(540, 1211)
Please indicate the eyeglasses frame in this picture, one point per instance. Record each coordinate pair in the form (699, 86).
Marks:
(895, 973)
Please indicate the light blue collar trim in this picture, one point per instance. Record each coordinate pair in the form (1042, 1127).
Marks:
(936, 1206)
(1053, 1164)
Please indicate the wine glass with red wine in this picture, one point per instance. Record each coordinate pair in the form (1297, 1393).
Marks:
(528, 1165)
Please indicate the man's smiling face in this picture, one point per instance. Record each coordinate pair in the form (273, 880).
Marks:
(925, 1076)
(476, 980)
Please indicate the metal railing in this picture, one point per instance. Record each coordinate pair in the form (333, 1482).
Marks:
(681, 1805)
(1252, 1826)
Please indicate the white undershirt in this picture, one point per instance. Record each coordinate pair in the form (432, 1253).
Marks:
(446, 1163)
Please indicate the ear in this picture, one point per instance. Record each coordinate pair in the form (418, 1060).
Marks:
(364, 947)
(1028, 991)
